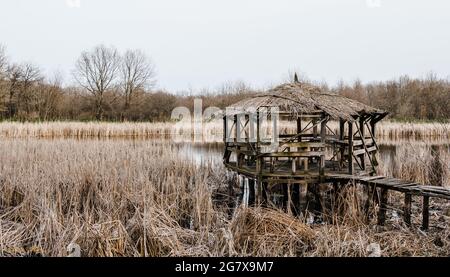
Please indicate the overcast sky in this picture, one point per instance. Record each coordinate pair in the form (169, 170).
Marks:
(203, 43)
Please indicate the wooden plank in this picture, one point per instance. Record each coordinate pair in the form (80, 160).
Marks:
(371, 178)
(407, 209)
(304, 144)
(363, 151)
(295, 154)
(360, 142)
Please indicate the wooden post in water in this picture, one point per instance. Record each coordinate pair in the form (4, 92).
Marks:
(407, 209)
(383, 206)
(426, 213)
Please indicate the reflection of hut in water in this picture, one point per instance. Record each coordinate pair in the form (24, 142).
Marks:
(290, 162)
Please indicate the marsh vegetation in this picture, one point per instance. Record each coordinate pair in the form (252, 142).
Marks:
(117, 190)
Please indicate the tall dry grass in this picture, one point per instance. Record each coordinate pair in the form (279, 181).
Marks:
(212, 131)
(139, 198)
(418, 162)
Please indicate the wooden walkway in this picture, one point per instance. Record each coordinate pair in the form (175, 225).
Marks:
(386, 184)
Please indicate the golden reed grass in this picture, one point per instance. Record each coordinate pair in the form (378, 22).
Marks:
(391, 131)
(139, 198)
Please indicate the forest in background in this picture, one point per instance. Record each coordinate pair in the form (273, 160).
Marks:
(113, 86)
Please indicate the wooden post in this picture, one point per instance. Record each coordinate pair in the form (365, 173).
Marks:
(350, 148)
(294, 166)
(237, 125)
(252, 192)
(303, 197)
(362, 133)
(225, 131)
(247, 123)
(374, 154)
(246, 192)
(383, 206)
(426, 213)
(323, 133)
(259, 184)
(368, 201)
(289, 198)
(299, 130)
(407, 209)
(237, 122)
(341, 138)
(315, 132)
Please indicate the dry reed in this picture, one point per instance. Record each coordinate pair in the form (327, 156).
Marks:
(139, 198)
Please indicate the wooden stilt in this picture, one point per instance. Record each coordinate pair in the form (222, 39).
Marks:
(407, 209)
(303, 193)
(252, 192)
(289, 199)
(426, 213)
(383, 207)
(368, 202)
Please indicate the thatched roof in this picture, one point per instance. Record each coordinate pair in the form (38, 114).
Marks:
(300, 98)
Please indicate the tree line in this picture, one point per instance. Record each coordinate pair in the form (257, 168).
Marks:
(114, 86)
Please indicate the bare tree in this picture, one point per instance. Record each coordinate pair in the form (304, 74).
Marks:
(96, 71)
(138, 74)
(3, 61)
(21, 79)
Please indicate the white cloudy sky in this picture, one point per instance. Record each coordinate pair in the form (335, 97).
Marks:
(202, 43)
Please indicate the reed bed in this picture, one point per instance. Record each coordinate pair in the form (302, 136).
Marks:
(418, 162)
(211, 131)
(139, 198)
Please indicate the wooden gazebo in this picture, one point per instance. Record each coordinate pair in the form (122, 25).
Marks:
(329, 134)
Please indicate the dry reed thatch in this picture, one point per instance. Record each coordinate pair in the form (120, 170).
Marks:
(299, 98)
